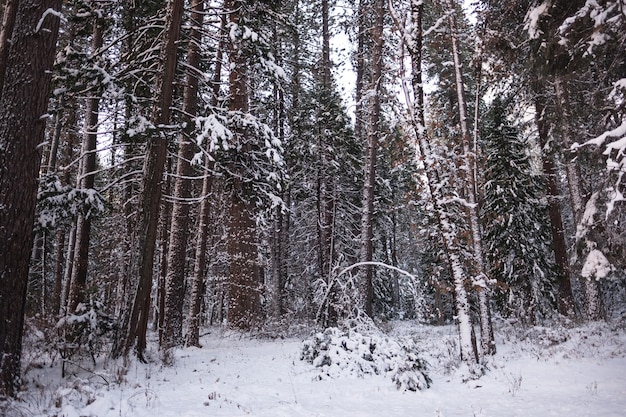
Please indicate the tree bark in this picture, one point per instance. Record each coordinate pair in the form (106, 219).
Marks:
(245, 286)
(6, 31)
(174, 296)
(83, 225)
(447, 232)
(565, 297)
(592, 289)
(23, 101)
(369, 185)
(150, 197)
(192, 338)
(481, 280)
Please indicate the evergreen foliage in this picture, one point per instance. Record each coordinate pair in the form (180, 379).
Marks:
(514, 218)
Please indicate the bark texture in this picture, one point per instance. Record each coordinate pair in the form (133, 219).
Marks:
(179, 233)
(373, 134)
(23, 101)
(136, 324)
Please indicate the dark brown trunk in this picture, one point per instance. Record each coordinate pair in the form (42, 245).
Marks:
(192, 338)
(150, 197)
(179, 235)
(23, 100)
(565, 296)
(6, 31)
(83, 225)
(373, 134)
(244, 284)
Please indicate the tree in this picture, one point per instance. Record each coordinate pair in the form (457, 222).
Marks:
(516, 236)
(136, 322)
(373, 133)
(24, 99)
(447, 231)
(174, 296)
(88, 165)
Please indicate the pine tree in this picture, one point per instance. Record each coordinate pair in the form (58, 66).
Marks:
(23, 99)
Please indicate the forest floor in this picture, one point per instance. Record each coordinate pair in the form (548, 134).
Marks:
(577, 370)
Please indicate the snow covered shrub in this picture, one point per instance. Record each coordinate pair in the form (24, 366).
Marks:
(79, 395)
(84, 332)
(339, 353)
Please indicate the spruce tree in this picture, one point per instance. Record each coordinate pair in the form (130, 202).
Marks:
(514, 218)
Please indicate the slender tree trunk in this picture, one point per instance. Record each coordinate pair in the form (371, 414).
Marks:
(23, 100)
(593, 305)
(150, 197)
(192, 337)
(83, 225)
(6, 31)
(482, 280)
(565, 296)
(447, 232)
(369, 185)
(360, 68)
(324, 192)
(174, 296)
(164, 233)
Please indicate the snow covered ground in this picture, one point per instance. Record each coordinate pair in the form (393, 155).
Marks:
(577, 371)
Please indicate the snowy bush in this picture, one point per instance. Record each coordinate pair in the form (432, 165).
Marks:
(337, 353)
(85, 331)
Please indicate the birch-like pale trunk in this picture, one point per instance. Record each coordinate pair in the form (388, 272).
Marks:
(446, 230)
(481, 280)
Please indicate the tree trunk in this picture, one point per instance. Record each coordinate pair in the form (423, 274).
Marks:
(174, 296)
(164, 233)
(192, 338)
(369, 185)
(24, 99)
(565, 296)
(244, 287)
(6, 31)
(447, 232)
(592, 289)
(83, 225)
(481, 280)
(150, 197)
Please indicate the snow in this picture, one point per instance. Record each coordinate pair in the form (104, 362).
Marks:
(541, 371)
(532, 19)
(596, 266)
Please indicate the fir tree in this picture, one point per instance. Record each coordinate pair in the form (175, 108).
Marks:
(514, 218)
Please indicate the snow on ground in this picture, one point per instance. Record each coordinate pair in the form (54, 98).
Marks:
(578, 371)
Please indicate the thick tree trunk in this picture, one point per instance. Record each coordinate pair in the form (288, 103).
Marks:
(150, 197)
(83, 225)
(369, 185)
(23, 101)
(245, 286)
(174, 296)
